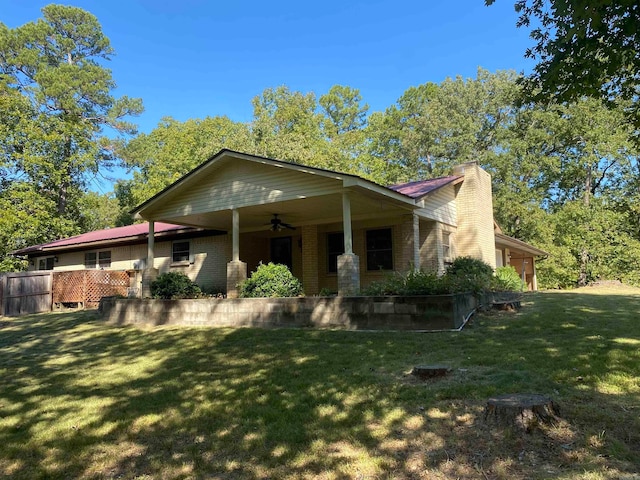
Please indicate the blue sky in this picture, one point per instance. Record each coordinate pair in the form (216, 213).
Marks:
(197, 58)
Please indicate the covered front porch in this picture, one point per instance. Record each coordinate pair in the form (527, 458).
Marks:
(335, 231)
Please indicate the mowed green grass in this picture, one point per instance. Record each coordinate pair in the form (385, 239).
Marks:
(82, 399)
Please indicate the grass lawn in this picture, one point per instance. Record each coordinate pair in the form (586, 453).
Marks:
(81, 399)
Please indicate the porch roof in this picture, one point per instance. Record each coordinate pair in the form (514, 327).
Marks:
(516, 245)
(262, 186)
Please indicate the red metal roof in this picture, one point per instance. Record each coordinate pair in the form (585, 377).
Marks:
(140, 231)
(130, 232)
(422, 187)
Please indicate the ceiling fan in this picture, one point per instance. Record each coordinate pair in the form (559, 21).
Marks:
(277, 224)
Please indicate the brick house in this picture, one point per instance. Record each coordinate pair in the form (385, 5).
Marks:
(335, 231)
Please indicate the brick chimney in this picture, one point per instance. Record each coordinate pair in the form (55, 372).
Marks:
(474, 204)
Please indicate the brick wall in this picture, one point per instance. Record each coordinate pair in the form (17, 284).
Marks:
(474, 204)
(310, 259)
(353, 313)
(403, 244)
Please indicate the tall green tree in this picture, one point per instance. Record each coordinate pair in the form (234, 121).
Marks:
(432, 127)
(343, 107)
(589, 243)
(172, 149)
(583, 48)
(344, 125)
(99, 211)
(287, 125)
(57, 98)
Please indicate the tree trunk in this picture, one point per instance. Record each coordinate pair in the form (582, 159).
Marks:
(586, 199)
(525, 411)
(584, 253)
(584, 260)
(63, 191)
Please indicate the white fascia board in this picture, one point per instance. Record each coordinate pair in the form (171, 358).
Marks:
(354, 183)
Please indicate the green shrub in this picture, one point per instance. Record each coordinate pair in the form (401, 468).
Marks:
(465, 274)
(471, 267)
(327, 292)
(271, 280)
(414, 282)
(392, 284)
(418, 282)
(507, 279)
(468, 274)
(174, 285)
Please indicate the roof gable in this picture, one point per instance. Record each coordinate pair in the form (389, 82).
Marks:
(232, 179)
(421, 188)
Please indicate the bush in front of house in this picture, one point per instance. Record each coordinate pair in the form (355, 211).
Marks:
(173, 286)
(414, 282)
(271, 280)
(465, 274)
(468, 274)
(507, 279)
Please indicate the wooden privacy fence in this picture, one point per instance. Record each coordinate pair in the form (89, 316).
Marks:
(33, 292)
(87, 287)
(25, 293)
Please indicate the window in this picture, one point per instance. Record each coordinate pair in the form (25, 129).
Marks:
(46, 263)
(446, 245)
(335, 248)
(100, 260)
(104, 259)
(90, 260)
(379, 249)
(180, 252)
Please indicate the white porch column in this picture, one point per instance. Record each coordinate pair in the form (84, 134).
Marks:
(236, 270)
(235, 238)
(151, 245)
(416, 242)
(150, 273)
(346, 223)
(348, 263)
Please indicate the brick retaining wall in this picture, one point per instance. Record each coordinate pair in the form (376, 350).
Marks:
(434, 312)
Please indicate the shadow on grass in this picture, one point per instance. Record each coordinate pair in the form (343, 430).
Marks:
(80, 399)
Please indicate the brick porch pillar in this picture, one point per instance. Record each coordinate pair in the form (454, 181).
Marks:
(348, 274)
(236, 274)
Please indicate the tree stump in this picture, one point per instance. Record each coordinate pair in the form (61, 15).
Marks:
(524, 410)
(425, 372)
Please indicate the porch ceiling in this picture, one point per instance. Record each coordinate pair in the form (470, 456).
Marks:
(305, 211)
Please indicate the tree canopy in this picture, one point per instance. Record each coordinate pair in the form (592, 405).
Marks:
(55, 103)
(583, 48)
(555, 167)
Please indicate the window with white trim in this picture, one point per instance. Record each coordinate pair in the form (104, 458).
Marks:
(90, 260)
(99, 260)
(46, 263)
(104, 259)
(180, 251)
(446, 245)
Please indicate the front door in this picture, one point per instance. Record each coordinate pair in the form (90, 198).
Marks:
(281, 251)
